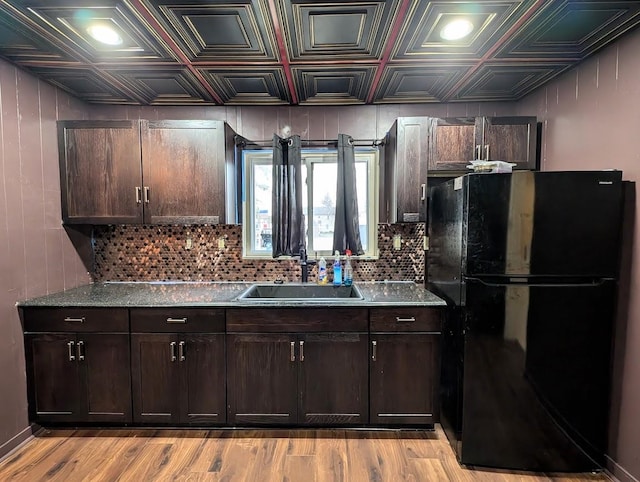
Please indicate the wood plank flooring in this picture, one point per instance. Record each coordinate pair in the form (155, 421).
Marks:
(249, 455)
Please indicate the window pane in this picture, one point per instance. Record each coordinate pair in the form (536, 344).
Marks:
(361, 188)
(262, 181)
(324, 204)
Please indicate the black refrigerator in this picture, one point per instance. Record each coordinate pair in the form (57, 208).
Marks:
(528, 264)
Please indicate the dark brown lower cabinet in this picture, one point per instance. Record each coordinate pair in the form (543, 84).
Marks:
(79, 377)
(404, 378)
(287, 378)
(178, 378)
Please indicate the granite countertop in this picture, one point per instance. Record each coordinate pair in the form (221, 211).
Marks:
(219, 294)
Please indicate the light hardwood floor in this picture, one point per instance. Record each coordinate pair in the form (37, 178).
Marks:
(248, 455)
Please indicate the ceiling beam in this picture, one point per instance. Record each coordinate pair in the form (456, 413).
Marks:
(388, 49)
(284, 55)
(495, 47)
(175, 48)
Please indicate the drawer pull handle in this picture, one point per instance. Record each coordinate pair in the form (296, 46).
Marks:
(80, 347)
(292, 356)
(74, 320)
(72, 357)
(374, 350)
(181, 351)
(302, 351)
(405, 320)
(176, 320)
(173, 350)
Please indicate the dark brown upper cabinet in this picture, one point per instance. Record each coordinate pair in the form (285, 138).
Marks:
(152, 172)
(407, 156)
(460, 140)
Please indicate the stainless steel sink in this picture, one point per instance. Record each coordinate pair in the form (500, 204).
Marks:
(308, 293)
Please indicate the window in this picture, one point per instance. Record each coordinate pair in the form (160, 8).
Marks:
(319, 171)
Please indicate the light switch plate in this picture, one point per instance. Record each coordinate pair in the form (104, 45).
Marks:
(220, 243)
(188, 244)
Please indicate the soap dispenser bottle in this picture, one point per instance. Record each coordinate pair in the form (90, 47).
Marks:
(337, 270)
(348, 270)
(322, 271)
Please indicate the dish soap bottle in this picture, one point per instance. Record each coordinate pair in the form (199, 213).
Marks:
(322, 271)
(337, 270)
(348, 270)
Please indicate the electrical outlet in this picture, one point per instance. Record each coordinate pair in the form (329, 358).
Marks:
(397, 242)
(188, 243)
(220, 243)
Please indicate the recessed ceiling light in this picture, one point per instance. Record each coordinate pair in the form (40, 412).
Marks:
(105, 34)
(456, 29)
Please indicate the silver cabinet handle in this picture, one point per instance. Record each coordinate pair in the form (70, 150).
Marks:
(405, 320)
(486, 150)
(138, 194)
(424, 191)
(68, 319)
(374, 350)
(172, 345)
(81, 351)
(146, 194)
(302, 351)
(181, 351)
(293, 351)
(478, 151)
(177, 320)
(72, 357)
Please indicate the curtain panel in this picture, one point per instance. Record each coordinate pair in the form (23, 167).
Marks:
(346, 233)
(287, 216)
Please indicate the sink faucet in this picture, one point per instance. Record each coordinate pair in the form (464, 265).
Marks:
(304, 264)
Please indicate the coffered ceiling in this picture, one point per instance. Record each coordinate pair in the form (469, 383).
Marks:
(305, 51)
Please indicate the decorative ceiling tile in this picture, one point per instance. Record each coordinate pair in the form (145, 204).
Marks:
(216, 30)
(253, 85)
(572, 29)
(338, 85)
(163, 85)
(420, 36)
(418, 84)
(68, 22)
(508, 82)
(340, 30)
(86, 84)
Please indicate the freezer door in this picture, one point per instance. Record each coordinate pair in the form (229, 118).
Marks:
(536, 375)
(564, 224)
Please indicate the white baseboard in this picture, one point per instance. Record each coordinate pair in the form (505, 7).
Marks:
(14, 442)
(619, 473)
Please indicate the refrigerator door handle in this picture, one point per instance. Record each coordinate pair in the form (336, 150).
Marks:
(511, 281)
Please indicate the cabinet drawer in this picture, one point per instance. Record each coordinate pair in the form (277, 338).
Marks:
(296, 320)
(405, 319)
(177, 320)
(75, 319)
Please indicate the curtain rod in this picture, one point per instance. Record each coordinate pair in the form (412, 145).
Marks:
(241, 141)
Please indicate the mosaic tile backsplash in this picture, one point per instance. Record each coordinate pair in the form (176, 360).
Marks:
(159, 253)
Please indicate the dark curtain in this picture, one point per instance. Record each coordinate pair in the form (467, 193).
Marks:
(346, 232)
(287, 218)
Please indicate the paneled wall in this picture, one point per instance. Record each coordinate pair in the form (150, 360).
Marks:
(591, 120)
(36, 254)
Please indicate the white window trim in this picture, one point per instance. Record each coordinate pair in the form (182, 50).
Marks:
(265, 156)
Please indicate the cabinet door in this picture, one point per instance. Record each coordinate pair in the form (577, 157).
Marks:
(511, 139)
(455, 144)
(261, 379)
(184, 172)
(404, 379)
(106, 376)
(155, 377)
(202, 373)
(54, 387)
(100, 171)
(411, 161)
(333, 379)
